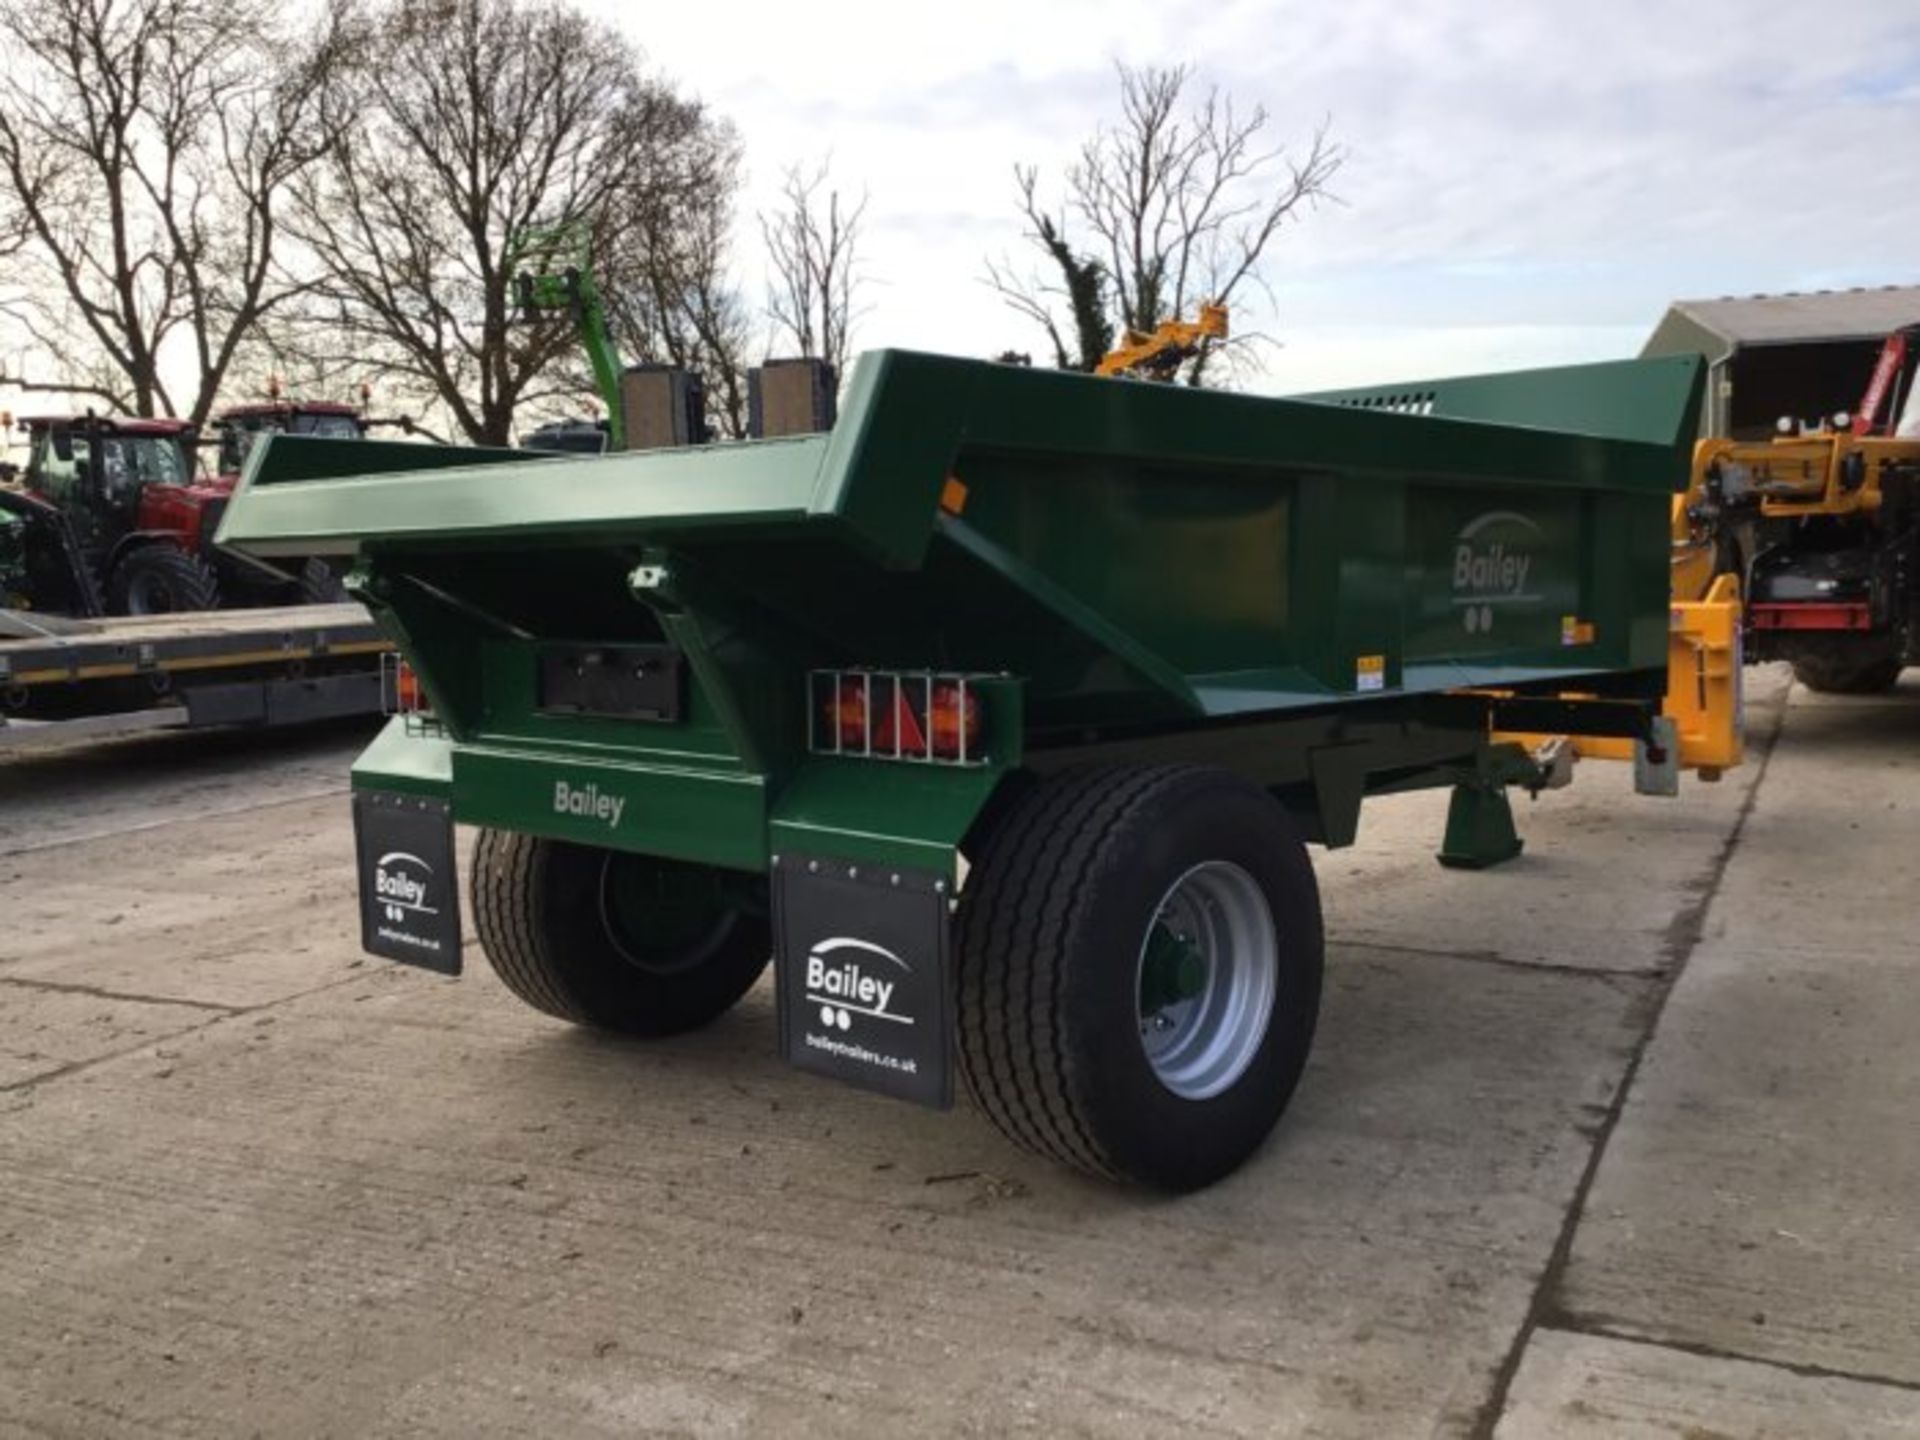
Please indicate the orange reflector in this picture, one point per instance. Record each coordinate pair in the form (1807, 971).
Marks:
(955, 722)
(908, 721)
(953, 495)
(409, 698)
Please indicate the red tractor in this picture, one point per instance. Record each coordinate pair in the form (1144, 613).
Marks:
(113, 518)
(241, 427)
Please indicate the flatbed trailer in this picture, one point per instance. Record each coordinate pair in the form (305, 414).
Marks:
(1000, 716)
(63, 679)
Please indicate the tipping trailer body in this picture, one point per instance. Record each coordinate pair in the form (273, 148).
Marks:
(828, 674)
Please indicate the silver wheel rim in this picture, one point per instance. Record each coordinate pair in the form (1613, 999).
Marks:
(1200, 1044)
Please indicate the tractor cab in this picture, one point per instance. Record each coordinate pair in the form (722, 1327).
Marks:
(103, 465)
(570, 437)
(241, 427)
(112, 516)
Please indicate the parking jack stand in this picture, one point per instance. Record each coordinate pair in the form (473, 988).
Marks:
(1479, 828)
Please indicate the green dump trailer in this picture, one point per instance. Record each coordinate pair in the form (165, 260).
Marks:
(999, 717)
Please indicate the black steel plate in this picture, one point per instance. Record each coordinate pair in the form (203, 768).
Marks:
(863, 976)
(409, 885)
(618, 682)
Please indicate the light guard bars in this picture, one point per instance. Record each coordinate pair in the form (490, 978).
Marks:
(925, 717)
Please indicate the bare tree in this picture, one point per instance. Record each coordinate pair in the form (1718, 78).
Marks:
(675, 300)
(1178, 205)
(145, 150)
(813, 244)
(1081, 285)
(469, 123)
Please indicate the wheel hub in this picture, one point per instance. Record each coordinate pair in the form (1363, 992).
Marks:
(149, 595)
(660, 917)
(1173, 969)
(1208, 975)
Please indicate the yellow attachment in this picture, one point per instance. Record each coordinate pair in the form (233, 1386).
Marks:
(1704, 695)
(1829, 473)
(1158, 354)
(1704, 686)
(1694, 553)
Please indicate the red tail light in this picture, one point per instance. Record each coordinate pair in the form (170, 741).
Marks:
(850, 715)
(892, 716)
(409, 697)
(955, 721)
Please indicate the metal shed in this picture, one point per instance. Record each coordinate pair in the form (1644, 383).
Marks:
(1803, 355)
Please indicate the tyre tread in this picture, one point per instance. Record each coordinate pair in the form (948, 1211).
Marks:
(1030, 895)
(193, 578)
(506, 895)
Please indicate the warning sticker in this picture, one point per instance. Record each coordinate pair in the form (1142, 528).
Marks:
(1370, 673)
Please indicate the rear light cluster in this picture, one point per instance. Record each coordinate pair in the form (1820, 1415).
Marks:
(402, 694)
(919, 716)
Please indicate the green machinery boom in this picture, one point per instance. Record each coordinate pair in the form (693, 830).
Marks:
(553, 274)
(999, 715)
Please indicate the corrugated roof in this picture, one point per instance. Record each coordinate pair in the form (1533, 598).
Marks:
(1858, 314)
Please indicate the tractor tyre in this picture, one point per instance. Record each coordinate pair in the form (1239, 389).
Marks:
(1847, 676)
(622, 942)
(1139, 954)
(161, 579)
(319, 585)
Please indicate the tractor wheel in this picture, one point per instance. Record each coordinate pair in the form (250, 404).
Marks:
(1847, 676)
(319, 585)
(1139, 954)
(621, 942)
(161, 579)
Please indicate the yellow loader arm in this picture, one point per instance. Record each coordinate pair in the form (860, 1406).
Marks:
(1156, 356)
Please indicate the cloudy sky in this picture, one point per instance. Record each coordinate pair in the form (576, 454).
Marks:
(1527, 181)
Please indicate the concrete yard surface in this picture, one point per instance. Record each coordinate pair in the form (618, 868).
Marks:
(1615, 1140)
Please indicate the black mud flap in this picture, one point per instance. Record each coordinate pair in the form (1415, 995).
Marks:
(864, 976)
(409, 886)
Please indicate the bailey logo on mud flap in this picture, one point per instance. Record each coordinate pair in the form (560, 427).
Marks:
(402, 882)
(409, 900)
(841, 984)
(1492, 561)
(863, 976)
